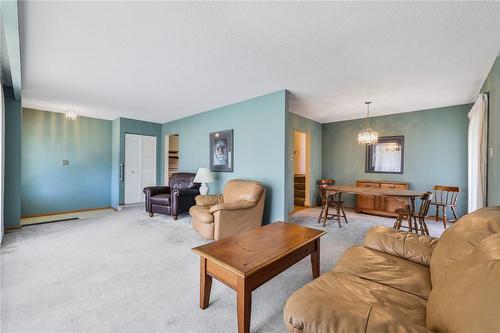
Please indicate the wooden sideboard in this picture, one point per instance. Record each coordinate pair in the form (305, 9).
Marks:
(378, 205)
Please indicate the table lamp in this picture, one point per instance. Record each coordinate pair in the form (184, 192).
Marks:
(203, 176)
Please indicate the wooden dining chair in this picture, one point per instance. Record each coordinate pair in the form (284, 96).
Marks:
(416, 221)
(332, 200)
(444, 197)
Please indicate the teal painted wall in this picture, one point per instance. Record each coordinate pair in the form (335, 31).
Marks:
(492, 86)
(435, 149)
(115, 164)
(132, 126)
(259, 126)
(47, 185)
(314, 133)
(12, 171)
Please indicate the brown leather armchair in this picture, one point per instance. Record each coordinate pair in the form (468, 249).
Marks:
(238, 209)
(402, 282)
(174, 199)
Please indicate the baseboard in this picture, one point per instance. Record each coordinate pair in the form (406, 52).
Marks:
(66, 212)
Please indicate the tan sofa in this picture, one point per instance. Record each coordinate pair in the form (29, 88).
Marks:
(238, 209)
(401, 282)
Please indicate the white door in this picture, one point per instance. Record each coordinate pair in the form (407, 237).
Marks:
(148, 162)
(140, 166)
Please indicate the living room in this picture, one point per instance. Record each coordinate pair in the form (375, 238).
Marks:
(157, 155)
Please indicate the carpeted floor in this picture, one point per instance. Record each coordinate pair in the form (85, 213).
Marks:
(127, 272)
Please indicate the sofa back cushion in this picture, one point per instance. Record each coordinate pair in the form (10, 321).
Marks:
(237, 189)
(182, 180)
(465, 275)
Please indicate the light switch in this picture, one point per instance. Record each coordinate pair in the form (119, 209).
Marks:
(65, 162)
(491, 152)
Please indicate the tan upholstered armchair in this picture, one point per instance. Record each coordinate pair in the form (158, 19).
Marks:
(238, 209)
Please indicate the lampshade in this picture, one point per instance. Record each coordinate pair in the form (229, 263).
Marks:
(367, 137)
(203, 176)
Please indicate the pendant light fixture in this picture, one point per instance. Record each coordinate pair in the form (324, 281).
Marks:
(367, 136)
(71, 115)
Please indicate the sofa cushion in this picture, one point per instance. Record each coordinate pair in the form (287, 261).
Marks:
(458, 242)
(201, 214)
(468, 298)
(343, 302)
(406, 245)
(386, 269)
(161, 199)
(237, 189)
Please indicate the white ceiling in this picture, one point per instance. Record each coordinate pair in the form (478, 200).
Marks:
(161, 61)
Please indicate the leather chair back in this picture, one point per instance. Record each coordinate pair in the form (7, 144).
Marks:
(183, 180)
(238, 189)
(465, 267)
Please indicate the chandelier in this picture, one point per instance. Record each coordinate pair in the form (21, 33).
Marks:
(368, 136)
(71, 115)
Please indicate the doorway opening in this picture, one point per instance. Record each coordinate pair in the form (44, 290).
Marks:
(140, 166)
(171, 156)
(301, 163)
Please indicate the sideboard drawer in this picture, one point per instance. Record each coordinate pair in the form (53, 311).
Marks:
(373, 185)
(394, 186)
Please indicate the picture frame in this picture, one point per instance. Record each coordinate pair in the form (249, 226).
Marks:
(386, 156)
(221, 151)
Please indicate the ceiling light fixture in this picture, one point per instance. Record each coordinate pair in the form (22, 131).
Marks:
(71, 115)
(367, 136)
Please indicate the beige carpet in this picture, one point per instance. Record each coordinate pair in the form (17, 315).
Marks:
(126, 272)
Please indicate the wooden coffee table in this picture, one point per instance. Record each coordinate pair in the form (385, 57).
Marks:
(246, 261)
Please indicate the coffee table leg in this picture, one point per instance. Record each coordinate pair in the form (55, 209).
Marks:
(315, 260)
(205, 284)
(244, 304)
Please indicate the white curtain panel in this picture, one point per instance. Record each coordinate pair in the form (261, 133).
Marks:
(477, 151)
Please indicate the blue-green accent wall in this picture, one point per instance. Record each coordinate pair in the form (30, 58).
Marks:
(259, 126)
(313, 131)
(115, 164)
(47, 185)
(492, 86)
(124, 126)
(435, 149)
(12, 171)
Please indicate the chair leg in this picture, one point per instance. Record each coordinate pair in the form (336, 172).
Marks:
(454, 212)
(175, 217)
(343, 212)
(395, 226)
(326, 214)
(424, 226)
(151, 214)
(444, 217)
(338, 215)
(437, 213)
(321, 214)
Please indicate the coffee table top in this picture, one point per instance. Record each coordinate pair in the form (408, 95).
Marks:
(247, 252)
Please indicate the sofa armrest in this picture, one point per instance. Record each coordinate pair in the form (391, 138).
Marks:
(154, 190)
(409, 246)
(233, 205)
(185, 192)
(208, 200)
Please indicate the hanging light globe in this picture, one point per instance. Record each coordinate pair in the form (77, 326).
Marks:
(367, 136)
(71, 115)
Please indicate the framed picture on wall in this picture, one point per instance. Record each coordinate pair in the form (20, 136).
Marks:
(221, 151)
(386, 156)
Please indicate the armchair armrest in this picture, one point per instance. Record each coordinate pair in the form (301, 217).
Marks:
(154, 190)
(234, 205)
(409, 246)
(208, 200)
(185, 192)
